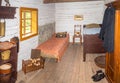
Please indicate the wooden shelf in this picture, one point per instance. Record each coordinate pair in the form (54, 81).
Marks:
(5, 61)
(7, 12)
(13, 61)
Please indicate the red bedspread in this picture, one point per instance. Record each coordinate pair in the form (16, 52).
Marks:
(54, 47)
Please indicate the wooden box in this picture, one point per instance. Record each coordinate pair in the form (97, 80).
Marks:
(32, 64)
(36, 62)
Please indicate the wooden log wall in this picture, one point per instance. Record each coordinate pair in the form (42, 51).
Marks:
(45, 16)
(92, 12)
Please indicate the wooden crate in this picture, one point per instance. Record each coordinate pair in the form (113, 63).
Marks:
(32, 64)
(36, 62)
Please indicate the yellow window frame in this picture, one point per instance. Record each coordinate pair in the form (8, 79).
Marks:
(31, 25)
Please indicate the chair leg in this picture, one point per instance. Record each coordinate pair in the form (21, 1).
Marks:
(73, 39)
(42, 62)
(58, 60)
(84, 56)
(81, 39)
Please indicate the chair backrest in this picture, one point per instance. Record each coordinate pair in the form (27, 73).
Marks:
(77, 29)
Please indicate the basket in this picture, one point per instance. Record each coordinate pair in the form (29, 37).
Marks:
(5, 55)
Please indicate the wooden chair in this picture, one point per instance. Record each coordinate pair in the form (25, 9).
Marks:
(77, 33)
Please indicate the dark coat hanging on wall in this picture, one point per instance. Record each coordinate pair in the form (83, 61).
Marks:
(107, 29)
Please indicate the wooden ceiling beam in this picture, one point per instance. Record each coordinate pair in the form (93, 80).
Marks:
(58, 1)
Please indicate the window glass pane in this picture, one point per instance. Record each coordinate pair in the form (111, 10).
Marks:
(23, 30)
(28, 29)
(23, 24)
(28, 15)
(28, 22)
(22, 15)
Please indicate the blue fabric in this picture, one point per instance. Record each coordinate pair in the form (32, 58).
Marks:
(107, 29)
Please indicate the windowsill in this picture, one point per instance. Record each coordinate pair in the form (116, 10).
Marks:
(28, 36)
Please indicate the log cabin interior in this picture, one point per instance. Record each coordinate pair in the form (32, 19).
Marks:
(59, 41)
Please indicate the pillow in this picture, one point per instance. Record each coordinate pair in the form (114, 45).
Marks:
(91, 30)
(61, 34)
(93, 25)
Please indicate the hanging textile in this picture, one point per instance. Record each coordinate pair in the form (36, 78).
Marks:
(107, 29)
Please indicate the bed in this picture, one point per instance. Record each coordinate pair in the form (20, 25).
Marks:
(54, 47)
(92, 44)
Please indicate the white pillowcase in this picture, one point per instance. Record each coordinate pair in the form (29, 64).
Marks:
(91, 30)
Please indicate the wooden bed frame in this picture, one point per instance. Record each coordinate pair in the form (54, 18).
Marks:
(54, 47)
(92, 44)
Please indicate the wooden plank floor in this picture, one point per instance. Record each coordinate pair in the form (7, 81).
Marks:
(71, 69)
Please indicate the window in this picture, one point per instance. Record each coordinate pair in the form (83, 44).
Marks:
(28, 23)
